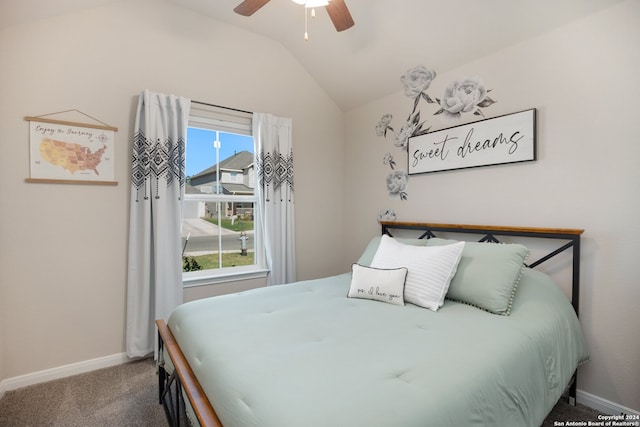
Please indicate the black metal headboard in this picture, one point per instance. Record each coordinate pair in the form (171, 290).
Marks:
(488, 233)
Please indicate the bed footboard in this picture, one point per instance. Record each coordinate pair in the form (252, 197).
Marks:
(182, 379)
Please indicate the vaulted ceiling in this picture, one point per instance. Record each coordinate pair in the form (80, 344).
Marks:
(390, 36)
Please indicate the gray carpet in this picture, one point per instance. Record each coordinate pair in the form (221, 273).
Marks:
(126, 395)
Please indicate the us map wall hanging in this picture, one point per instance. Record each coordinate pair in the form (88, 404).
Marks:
(71, 152)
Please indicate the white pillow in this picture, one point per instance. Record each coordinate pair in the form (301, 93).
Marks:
(431, 269)
(386, 285)
(370, 251)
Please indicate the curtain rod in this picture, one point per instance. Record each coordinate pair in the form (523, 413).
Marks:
(220, 106)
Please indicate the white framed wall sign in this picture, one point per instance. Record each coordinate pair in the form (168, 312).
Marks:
(505, 139)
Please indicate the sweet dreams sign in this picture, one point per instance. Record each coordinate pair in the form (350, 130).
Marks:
(506, 139)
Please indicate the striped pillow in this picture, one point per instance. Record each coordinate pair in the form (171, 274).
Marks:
(430, 269)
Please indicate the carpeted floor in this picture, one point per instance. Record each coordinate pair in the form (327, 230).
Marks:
(126, 395)
(563, 412)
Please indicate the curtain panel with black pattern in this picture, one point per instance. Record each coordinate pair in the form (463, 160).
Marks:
(154, 275)
(274, 158)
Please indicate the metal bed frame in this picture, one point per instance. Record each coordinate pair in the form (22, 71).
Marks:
(173, 386)
(489, 233)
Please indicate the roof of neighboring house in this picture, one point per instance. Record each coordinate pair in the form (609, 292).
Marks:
(236, 189)
(190, 189)
(237, 162)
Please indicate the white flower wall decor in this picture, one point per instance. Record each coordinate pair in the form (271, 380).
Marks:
(466, 96)
(387, 215)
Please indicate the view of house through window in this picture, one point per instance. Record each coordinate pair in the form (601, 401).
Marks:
(218, 212)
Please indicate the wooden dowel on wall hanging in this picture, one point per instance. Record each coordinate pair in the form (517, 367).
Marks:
(68, 123)
(68, 181)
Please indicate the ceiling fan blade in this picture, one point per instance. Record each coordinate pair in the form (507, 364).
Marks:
(249, 7)
(339, 14)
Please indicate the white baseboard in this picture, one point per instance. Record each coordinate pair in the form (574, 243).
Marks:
(606, 407)
(62, 372)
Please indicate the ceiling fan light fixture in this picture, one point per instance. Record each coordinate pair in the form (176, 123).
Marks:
(315, 3)
(336, 9)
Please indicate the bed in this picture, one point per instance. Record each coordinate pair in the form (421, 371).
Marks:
(336, 351)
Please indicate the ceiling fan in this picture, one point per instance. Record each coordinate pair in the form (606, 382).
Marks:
(337, 10)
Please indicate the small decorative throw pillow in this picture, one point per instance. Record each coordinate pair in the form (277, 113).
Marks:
(430, 269)
(386, 285)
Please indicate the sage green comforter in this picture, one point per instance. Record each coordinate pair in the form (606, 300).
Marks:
(304, 355)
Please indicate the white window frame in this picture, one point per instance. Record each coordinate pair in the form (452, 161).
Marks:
(225, 120)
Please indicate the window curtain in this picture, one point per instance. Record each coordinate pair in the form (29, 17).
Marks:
(274, 190)
(154, 282)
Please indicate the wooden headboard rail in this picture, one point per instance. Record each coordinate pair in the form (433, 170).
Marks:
(489, 233)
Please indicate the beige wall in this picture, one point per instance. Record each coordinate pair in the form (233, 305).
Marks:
(583, 80)
(63, 262)
(64, 248)
(2, 376)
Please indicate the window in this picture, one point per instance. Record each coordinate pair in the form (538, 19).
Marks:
(219, 228)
